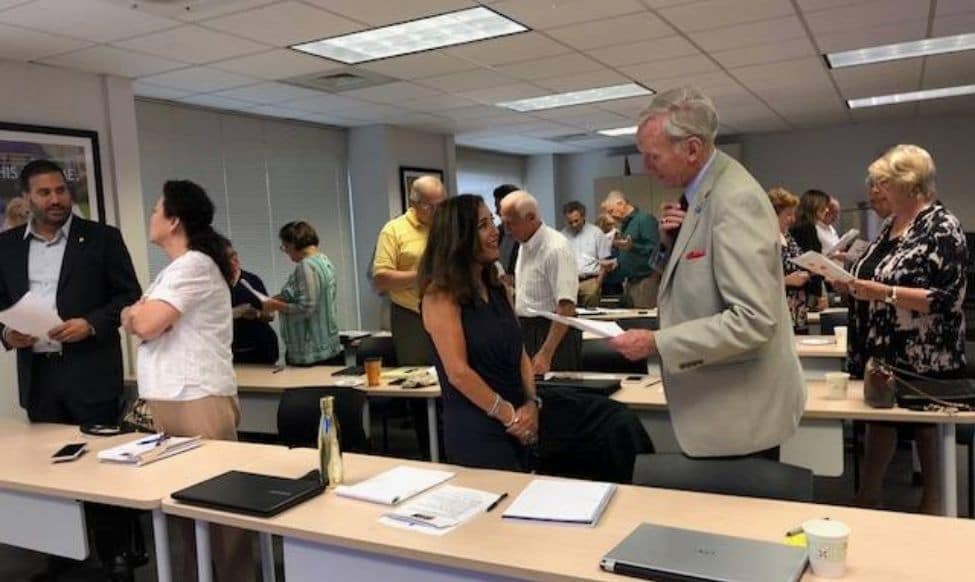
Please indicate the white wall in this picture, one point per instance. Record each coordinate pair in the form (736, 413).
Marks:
(40, 95)
(480, 172)
(835, 159)
(540, 182)
(575, 175)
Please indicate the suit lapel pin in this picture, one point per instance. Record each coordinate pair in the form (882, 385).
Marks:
(81, 239)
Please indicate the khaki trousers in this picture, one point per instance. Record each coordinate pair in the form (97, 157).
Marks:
(213, 417)
(590, 292)
(642, 293)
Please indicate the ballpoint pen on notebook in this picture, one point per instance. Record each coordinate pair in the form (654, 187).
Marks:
(154, 439)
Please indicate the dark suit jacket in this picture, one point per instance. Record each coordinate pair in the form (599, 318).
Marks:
(97, 280)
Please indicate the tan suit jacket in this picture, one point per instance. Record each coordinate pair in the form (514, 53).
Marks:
(732, 377)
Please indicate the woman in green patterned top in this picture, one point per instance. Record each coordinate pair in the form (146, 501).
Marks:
(309, 322)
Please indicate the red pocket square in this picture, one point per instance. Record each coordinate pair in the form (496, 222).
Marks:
(695, 254)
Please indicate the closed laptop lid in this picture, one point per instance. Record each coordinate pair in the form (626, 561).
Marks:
(605, 387)
(672, 554)
(250, 493)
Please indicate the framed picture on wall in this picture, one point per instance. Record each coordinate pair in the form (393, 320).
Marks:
(406, 177)
(75, 150)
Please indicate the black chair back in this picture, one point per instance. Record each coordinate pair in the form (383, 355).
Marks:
(751, 477)
(597, 356)
(373, 346)
(830, 319)
(299, 413)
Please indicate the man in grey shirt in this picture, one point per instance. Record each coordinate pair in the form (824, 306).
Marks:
(590, 246)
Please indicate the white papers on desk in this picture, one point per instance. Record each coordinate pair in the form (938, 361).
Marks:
(820, 265)
(844, 241)
(262, 297)
(31, 316)
(604, 329)
(149, 449)
(441, 510)
(391, 487)
(562, 501)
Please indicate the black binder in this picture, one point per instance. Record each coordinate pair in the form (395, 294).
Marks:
(602, 387)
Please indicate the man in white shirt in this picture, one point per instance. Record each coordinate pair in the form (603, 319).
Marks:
(590, 245)
(546, 280)
(826, 230)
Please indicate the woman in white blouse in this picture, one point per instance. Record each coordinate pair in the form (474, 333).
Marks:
(185, 363)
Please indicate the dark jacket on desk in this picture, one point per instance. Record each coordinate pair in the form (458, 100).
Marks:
(97, 280)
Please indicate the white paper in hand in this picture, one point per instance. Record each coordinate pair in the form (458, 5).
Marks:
(262, 297)
(817, 263)
(604, 329)
(31, 316)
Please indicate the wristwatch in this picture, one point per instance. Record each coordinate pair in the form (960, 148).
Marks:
(891, 298)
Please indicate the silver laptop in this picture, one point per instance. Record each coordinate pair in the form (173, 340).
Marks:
(669, 554)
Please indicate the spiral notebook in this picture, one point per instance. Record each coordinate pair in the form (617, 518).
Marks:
(581, 502)
(149, 449)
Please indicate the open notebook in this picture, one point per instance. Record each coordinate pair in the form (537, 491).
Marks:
(562, 501)
(149, 449)
(395, 485)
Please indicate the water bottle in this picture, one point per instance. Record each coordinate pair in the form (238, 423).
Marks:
(330, 457)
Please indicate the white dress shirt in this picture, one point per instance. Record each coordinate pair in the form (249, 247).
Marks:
(827, 235)
(589, 246)
(44, 259)
(545, 273)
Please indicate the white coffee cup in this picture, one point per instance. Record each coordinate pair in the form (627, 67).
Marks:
(826, 542)
(837, 384)
(840, 331)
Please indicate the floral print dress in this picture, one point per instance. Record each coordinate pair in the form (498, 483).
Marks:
(796, 297)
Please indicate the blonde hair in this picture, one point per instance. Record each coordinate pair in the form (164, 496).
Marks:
(908, 168)
(782, 199)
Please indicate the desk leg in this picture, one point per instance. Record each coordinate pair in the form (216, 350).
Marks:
(160, 539)
(949, 469)
(366, 419)
(267, 557)
(204, 571)
(432, 426)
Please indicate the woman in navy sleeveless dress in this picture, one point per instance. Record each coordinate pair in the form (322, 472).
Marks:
(490, 409)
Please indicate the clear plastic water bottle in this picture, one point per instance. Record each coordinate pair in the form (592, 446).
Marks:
(329, 454)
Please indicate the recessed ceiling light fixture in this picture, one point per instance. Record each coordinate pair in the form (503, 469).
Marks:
(619, 131)
(577, 97)
(415, 36)
(911, 96)
(901, 50)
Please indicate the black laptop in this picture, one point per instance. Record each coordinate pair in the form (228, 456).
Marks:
(250, 493)
(600, 386)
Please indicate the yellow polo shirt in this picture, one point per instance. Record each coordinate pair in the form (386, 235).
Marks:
(400, 246)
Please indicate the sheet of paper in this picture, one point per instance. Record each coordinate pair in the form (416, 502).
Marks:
(562, 500)
(31, 316)
(451, 503)
(604, 329)
(844, 241)
(394, 485)
(856, 250)
(262, 297)
(820, 265)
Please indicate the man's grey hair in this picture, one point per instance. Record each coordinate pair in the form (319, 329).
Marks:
(522, 203)
(614, 197)
(690, 113)
(422, 185)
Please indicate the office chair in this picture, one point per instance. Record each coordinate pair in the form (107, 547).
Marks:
(299, 413)
(744, 477)
(830, 319)
(381, 347)
(597, 356)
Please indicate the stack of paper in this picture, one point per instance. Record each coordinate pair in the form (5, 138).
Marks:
(564, 501)
(395, 485)
(148, 449)
(440, 510)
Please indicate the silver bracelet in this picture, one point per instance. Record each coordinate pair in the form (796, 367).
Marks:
(494, 407)
(514, 415)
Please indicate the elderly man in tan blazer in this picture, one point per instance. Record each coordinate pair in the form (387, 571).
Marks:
(732, 377)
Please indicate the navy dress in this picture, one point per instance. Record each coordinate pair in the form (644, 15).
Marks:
(494, 348)
(254, 340)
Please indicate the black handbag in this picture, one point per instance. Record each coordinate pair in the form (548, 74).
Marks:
(885, 385)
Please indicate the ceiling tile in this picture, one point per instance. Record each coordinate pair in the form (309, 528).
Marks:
(876, 13)
(899, 111)
(392, 93)
(666, 3)
(612, 31)
(419, 66)
(142, 89)
(817, 119)
(879, 78)
(630, 108)
(552, 13)
(113, 61)
(562, 65)
(720, 13)
(949, 70)
(649, 73)
(217, 102)
(785, 73)
(192, 44)
(508, 49)
(815, 5)
(277, 64)
(4, 4)
(750, 34)
(871, 36)
(436, 103)
(200, 80)
(268, 93)
(383, 13)
(765, 53)
(762, 125)
(714, 84)
(491, 95)
(545, 129)
(645, 51)
(189, 11)
(467, 81)
(477, 112)
(600, 78)
(284, 24)
(92, 20)
(955, 24)
(18, 44)
(951, 106)
(323, 103)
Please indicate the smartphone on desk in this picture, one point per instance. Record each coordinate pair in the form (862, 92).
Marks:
(69, 452)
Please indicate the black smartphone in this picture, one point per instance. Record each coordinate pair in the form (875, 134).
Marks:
(69, 452)
(634, 378)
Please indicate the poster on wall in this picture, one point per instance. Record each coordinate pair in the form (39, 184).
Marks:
(75, 150)
(408, 175)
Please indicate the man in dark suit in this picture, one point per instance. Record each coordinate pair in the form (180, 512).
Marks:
(82, 269)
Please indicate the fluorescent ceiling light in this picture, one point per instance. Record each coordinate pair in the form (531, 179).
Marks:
(912, 96)
(577, 97)
(425, 34)
(616, 132)
(902, 50)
